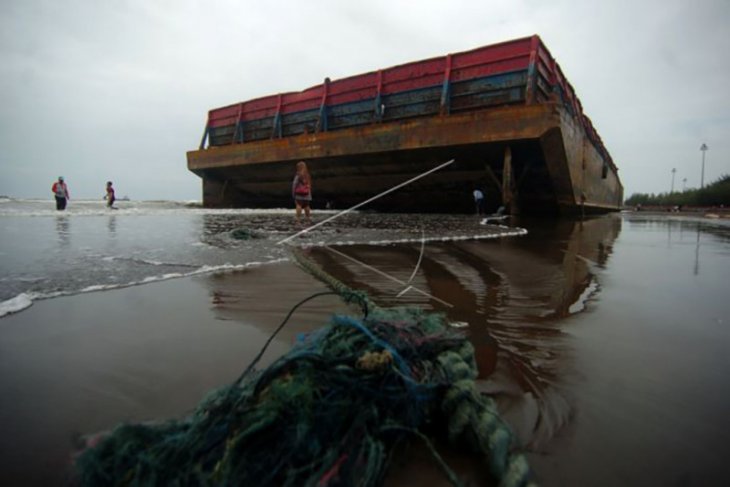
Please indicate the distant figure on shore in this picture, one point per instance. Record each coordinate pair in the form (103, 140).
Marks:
(109, 196)
(479, 201)
(60, 191)
(301, 189)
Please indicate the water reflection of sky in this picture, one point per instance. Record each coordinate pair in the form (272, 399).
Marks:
(685, 232)
(605, 342)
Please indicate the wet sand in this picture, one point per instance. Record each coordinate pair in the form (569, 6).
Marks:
(605, 344)
(83, 364)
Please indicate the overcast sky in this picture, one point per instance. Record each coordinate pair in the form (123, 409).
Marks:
(99, 90)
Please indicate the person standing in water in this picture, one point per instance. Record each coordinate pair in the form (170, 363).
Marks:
(60, 191)
(479, 200)
(301, 189)
(109, 195)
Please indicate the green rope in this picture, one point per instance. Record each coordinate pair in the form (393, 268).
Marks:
(286, 319)
(469, 413)
(347, 293)
(329, 412)
(450, 475)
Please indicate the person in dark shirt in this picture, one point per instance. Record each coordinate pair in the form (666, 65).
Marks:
(109, 195)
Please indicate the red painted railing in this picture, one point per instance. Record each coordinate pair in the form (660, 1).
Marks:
(545, 81)
(477, 63)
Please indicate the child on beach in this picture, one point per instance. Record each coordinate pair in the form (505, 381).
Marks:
(301, 189)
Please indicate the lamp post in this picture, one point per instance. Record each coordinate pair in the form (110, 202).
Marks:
(684, 185)
(703, 148)
(674, 170)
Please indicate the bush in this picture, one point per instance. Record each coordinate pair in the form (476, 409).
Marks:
(714, 194)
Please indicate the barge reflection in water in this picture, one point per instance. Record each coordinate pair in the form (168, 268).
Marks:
(604, 342)
(510, 293)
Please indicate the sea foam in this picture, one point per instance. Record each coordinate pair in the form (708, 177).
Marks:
(13, 305)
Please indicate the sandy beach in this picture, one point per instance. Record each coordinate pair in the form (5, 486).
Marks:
(82, 364)
(603, 343)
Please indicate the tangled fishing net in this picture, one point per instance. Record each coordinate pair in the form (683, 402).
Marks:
(328, 413)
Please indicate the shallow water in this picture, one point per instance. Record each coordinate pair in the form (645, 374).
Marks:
(45, 253)
(604, 342)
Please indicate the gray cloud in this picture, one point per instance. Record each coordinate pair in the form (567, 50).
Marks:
(120, 90)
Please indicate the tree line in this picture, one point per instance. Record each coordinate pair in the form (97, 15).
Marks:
(714, 194)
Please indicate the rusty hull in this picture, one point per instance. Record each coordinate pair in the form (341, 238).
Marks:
(553, 166)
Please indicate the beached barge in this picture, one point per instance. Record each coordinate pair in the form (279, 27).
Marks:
(505, 114)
